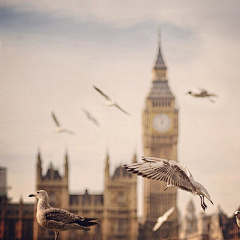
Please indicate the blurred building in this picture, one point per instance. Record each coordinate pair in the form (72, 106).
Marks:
(3, 181)
(16, 219)
(160, 138)
(216, 226)
(116, 207)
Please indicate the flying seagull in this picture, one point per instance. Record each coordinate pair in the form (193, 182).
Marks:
(58, 128)
(163, 219)
(174, 173)
(202, 94)
(109, 102)
(90, 117)
(57, 219)
(237, 214)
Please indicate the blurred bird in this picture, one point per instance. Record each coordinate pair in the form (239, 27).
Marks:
(202, 94)
(90, 117)
(57, 219)
(237, 214)
(163, 219)
(174, 173)
(109, 102)
(58, 128)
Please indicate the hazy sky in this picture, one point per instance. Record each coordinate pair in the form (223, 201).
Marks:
(52, 53)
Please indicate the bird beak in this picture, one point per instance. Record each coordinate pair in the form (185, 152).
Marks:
(31, 195)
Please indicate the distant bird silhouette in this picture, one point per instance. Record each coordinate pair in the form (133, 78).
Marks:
(109, 102)
(237, 214)
(57, 219)
(163, 219)
(203, 94)
(58, 128)
(174, 173)
(90, 117)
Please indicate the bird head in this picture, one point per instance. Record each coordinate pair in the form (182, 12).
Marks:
(40, 194)
(237, 214)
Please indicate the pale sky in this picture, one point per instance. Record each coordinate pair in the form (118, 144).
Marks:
(52, 53)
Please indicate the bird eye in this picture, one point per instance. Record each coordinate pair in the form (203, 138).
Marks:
(37, 191)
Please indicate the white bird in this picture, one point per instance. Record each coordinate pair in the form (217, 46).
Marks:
(90, 117)
(109, 102)
(58, 128)
(237, 214)
(202, 94)
(163, 219)
(57, 219)
(174, 173)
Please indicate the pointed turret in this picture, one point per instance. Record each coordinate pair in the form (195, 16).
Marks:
(107, 167)
(134, 159)
(160, 69)
(39, 166)
(66, 165)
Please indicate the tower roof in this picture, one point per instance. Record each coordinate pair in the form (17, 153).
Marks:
(160, 89)
(160, 63)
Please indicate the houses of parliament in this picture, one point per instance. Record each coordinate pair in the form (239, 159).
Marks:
(116, 207)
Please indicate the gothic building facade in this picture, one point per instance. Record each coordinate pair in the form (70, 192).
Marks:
(116, 208)
(160, 137)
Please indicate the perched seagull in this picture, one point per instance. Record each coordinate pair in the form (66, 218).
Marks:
(109, 102)
(58, 128)
(237, 214)
(90, 117)
(202, 94)
(57, 219)
(174, 173)
(163, 219)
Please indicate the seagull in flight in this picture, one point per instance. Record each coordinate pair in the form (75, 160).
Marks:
(173, 173)
(163, 219)
(90, 117)
(109, 102)
(203, 93)
(237, 214)
(58, 128)
(57, 219)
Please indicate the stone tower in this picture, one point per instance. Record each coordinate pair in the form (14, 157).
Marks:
(160, 136)
(120, 204)
(57, 188)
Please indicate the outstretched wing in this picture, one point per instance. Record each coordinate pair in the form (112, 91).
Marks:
(55, 119)
(102, 93)
(203, 91)
(169, 212)
(122, 109)
(172, 172)
(89, 116)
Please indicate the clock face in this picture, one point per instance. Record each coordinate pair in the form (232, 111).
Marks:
(162, 122)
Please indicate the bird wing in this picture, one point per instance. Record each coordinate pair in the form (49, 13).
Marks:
(203, 91)
(169, 171)
(102, 93)
(158, 224)
(90, 116)
(169, 212)
(61, 215)
(86, 112)
(67, 131)
(122, 109)
(55, 119)
(163, 218)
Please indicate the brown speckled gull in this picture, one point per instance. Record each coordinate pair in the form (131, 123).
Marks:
(57, 219)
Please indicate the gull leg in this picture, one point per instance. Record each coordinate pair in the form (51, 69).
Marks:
(56, 234)
(203, 207)
(204, 203)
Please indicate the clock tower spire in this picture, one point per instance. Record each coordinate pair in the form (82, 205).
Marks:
(160, 136)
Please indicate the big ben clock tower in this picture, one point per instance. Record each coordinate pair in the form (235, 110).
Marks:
(160, 136)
